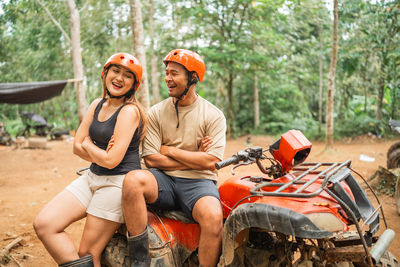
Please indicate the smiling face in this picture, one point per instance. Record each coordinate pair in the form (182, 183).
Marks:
(119, 80)
(176, 79)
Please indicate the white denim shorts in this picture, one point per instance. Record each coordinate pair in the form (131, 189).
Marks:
(100, 194)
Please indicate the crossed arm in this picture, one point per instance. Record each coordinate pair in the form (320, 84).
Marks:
(127, 122)
(172, 158)
(83, 131)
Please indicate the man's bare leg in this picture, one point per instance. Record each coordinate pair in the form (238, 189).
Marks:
(140, 187)
(208, 213)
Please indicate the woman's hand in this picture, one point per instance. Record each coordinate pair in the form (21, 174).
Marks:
(110, 143)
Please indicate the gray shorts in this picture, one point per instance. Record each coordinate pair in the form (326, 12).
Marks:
(176, 193)
(100, 194)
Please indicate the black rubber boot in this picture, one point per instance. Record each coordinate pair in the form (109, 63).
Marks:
(86, 261)
(138, 247)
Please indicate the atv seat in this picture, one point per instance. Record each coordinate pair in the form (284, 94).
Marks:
(171, 214)
(175, 215)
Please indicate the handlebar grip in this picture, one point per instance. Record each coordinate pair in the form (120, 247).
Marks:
(226, 162)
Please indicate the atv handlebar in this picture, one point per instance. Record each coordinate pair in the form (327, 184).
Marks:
(227, 162)
(248, 155)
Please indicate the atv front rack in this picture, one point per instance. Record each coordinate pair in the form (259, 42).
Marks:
(306, 169)
(332, 175)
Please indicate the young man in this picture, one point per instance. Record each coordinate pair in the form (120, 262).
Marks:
(185, 138)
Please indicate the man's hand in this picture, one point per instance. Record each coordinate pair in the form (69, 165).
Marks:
(205, 143)
(110, 143)
(165, 150)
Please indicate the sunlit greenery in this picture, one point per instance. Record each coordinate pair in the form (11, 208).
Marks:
(279, 42)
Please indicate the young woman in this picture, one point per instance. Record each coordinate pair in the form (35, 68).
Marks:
(109, 137)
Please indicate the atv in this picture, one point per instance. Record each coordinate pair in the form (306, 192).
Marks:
(40, 126)
(292, 214)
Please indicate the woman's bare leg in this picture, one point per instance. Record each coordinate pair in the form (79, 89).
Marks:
(96, 234)
(50, 223)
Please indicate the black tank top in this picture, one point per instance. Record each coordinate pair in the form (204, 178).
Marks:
(101, 132)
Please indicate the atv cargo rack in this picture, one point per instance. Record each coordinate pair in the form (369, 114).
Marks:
(333, 174)
(306, 169)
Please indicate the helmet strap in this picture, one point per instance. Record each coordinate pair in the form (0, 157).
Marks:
(191, 80)
(130, 93)
(126, 95)
(113, 96)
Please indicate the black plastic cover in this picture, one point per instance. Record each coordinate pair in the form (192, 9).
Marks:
(361, 206)
(31, 92)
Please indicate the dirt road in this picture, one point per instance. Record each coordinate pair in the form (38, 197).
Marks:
(30, 178)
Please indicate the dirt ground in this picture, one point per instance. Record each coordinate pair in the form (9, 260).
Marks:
(29, 178)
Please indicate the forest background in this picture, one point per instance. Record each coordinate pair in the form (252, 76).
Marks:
(267, 61)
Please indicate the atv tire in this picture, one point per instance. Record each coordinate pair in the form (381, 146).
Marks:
(393, 147)
(393, 156)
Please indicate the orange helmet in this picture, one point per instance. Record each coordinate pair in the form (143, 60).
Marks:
(189, 59)
(128, 61)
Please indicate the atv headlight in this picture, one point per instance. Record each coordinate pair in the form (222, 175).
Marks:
(327, 221)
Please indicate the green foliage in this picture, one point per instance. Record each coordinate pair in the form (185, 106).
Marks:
(358, 125)
(275, 46)
(385, 188)
(13, 127)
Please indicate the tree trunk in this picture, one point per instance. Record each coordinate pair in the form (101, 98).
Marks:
(76, 54)
(77, 58)
(393, 112)
(231, 116)
(140, 52)
(220, 96)
(154, 59)
(331, 82)
(365, 83)
(344, 101)
(256, 103)
(381, 90)
(320, 77)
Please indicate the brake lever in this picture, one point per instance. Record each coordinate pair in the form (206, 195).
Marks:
(248, 162)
